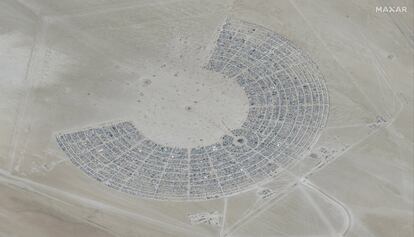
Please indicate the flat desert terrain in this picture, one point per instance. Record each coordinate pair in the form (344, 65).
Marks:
(219, 118)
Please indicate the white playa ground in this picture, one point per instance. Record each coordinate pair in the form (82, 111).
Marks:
(206, 118)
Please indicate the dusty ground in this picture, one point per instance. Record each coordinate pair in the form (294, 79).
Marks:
(75, 63)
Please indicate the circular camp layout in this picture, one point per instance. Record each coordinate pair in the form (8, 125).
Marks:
(288, 107)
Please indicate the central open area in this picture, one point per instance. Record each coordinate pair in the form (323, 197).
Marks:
(191, 108)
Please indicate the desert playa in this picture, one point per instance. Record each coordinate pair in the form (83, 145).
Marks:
(173, 118)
